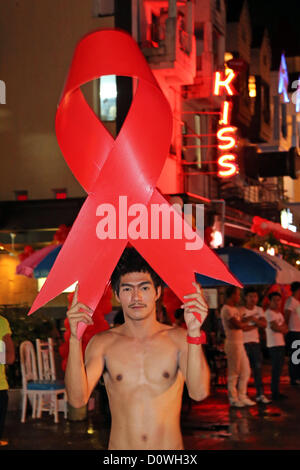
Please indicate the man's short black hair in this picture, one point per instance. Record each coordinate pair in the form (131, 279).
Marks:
(250, 290)
(295, 286)
(132, 262)
(273, 294)
(230, 291)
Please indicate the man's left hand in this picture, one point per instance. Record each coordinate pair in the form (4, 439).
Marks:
(198, 305)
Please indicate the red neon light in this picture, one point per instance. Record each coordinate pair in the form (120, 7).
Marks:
(227, 161)
(225, 82)
(22, 197)
(231, 141)
(60, 195)
(226, 113)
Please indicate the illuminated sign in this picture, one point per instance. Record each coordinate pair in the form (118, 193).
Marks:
(226, 134)
(225, 83)
(286, 219)
(283, 81)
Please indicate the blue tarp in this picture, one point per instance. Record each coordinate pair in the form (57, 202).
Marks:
(247, 265)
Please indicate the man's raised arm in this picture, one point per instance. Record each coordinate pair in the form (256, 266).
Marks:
(80, 378)
(192, 361)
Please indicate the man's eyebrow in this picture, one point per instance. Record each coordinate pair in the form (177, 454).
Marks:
(132, 285)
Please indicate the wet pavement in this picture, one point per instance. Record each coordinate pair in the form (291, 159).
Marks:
(209, 425)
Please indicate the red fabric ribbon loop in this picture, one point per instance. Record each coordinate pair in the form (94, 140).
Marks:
(130, 166)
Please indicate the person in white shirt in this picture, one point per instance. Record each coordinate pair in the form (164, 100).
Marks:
(292, 318)
(254, 314)
(275, 331)
(238, 368)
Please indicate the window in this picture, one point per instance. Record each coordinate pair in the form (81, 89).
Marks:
(108, 98)
(266, 103)
(103, 7)
(216, 46)
(199, 34)
(21, 195)
(252, 86)
(197, 124)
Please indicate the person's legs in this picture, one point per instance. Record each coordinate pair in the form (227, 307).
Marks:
(233, 367)
(3, 410)
(277, 360)
(254, 355)
(244, 374)
(281, 354)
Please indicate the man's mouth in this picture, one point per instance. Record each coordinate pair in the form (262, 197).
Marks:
(137, 306)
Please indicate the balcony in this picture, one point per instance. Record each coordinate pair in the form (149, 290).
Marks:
(264, 198)
(171, 50)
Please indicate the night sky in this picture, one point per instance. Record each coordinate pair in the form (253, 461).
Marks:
(283, 22)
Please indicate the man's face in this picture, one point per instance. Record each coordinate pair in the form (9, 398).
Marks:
(236, 296)
(137, 295)
(275, 303)
(251, 299)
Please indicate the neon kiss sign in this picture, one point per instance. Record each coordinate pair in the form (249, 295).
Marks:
(226, 134)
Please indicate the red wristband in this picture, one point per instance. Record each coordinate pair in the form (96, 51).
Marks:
(197, 339)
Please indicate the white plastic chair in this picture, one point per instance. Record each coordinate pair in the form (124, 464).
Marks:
(47, 375)
(45, 359)
(29, 374)
(37, 389)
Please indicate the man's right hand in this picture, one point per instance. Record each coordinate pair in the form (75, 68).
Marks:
(78, 312)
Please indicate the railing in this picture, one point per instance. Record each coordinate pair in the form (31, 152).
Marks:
(264, 195)
(157, 34)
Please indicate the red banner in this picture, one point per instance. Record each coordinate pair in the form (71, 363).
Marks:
(263, 227)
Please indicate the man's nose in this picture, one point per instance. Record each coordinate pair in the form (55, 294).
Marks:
(136, 294)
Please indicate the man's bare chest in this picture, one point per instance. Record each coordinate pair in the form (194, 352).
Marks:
(136, 363)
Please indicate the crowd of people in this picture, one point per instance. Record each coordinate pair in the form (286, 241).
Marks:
(242, 321)
(242, 346)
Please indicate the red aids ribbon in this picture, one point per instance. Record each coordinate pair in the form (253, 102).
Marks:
(128, 166)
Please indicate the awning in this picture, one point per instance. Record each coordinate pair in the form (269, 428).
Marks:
(253, 268)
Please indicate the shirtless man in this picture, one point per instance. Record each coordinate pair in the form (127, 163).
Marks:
(144, 363)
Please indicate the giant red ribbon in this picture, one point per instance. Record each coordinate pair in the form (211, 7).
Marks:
(107, 168)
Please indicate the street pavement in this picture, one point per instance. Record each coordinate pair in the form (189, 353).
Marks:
(208, 425)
